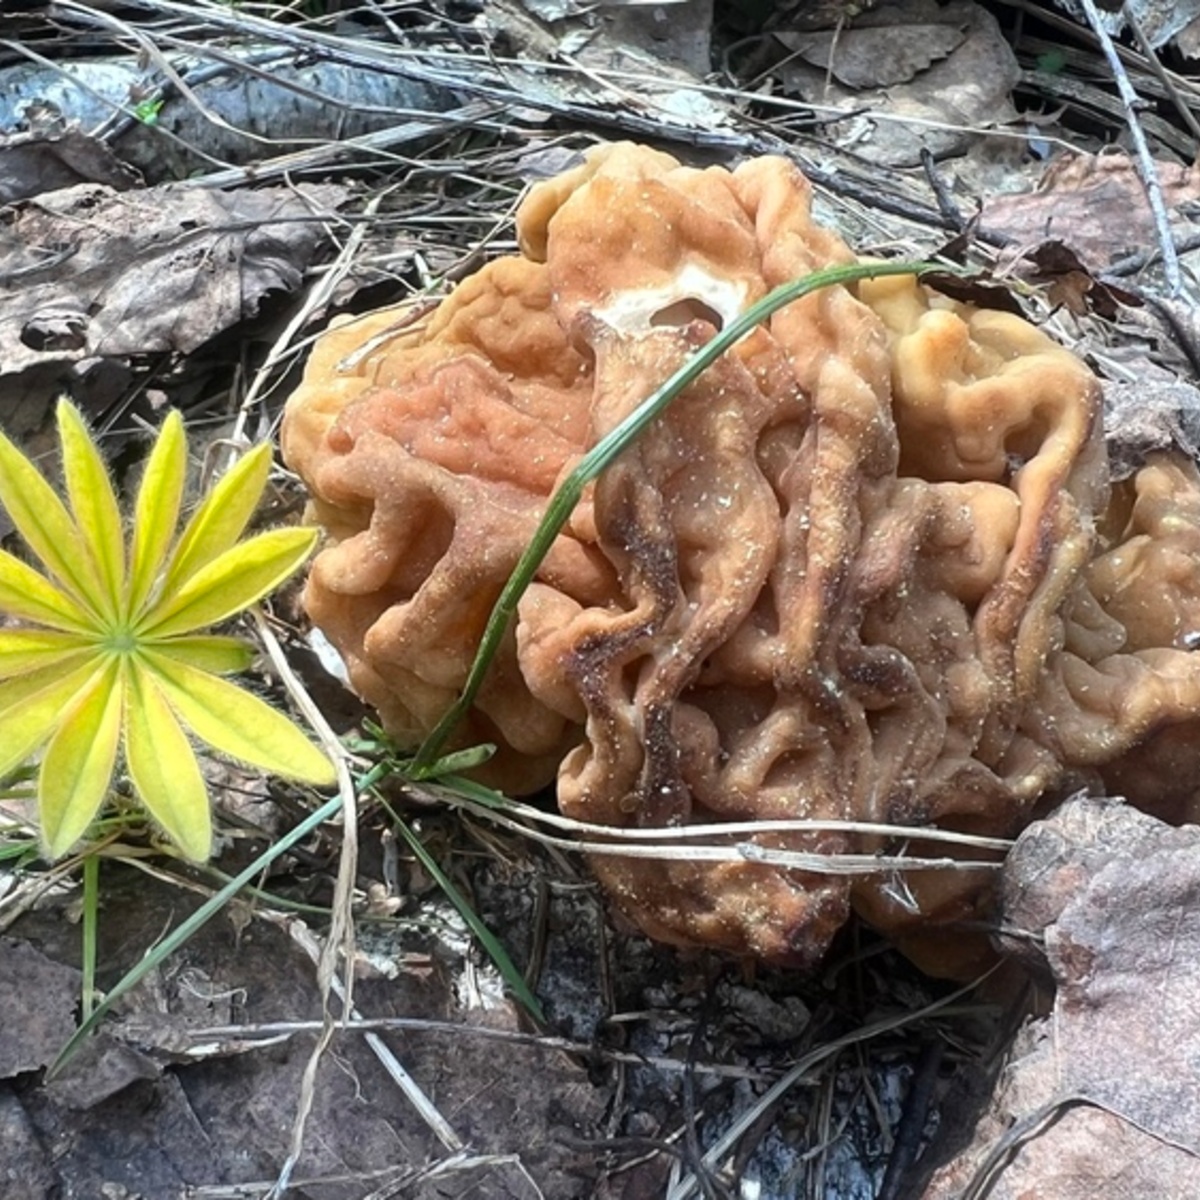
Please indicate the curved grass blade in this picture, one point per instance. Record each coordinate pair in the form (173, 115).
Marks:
(569, 492)
(496, 952)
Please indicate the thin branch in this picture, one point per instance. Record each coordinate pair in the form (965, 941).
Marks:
(1147, 168)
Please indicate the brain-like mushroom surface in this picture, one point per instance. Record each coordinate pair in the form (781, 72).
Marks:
(865, 569)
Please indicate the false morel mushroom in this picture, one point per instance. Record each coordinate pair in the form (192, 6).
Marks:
(867, 568)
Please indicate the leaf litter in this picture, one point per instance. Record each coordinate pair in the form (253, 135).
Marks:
(1100, 1097)
(653, 1053)
(96, 272)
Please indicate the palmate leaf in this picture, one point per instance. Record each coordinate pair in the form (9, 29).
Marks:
(223, 516)
(32, 597)
(110, 651)
(163, 768)
(94, 504)
(156, 511)
(43, 521)
(78, 765)
(231, 582)
(33, 705)
(207, 652)
(239, 724)
(26, 650)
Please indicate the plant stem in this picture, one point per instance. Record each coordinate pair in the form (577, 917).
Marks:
(91, 907)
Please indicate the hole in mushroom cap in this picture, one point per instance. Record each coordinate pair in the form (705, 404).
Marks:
(685, 311)
(675, 301)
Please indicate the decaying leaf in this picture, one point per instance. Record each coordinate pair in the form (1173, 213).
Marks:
(1095, 204)
(39, 161)
(964, 85)
(243, 101)
(188, 1090)
(865, 56)
(1152, 414)
(1159, 20)
(1101, 1097)
(32, 1033)
(100, 272)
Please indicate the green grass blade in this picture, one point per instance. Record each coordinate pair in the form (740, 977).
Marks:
(91, 911)
(179, 937)
(564, 500)
(495, 951)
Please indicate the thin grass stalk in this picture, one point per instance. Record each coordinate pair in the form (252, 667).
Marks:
(91, 917)
(728, 1140)
(481, 801)
(495, 950)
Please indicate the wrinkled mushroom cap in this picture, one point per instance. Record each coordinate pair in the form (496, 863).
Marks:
(845, 576)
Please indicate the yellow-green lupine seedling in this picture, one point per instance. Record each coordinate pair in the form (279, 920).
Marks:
(107, 660)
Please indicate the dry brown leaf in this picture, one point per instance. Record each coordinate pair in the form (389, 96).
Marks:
(1100, 1100)
(866, 56)
(31, 1034)
(1095, 204)
(972, 71)
(1148, 415)
(99, 272)
(42, 161)
(1158, 20)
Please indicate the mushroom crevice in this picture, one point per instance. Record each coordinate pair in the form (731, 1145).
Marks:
(869, 567)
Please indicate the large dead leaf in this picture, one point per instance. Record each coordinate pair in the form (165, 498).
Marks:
(37, 999)
(1100, 1101)
(865, 56)
(1158, 20)
(1154, 414)
(163, 1105)
(941, 72)
(1095, 204)
(105, 273)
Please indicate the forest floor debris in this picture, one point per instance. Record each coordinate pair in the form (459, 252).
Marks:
(650, 1056)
